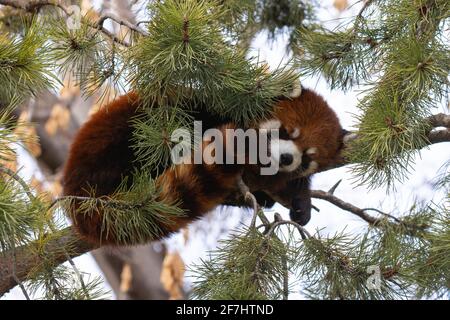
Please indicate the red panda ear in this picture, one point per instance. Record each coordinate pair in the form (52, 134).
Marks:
(296, 90)
(347, 136)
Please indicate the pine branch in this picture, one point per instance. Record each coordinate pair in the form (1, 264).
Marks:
(27, 258)
(33, 6)
(121, 22)
(434, 137)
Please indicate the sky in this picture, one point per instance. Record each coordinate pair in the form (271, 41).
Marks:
(330, 219)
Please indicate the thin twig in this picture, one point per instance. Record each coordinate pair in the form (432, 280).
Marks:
(276, 224)
(285, 278)
(121, 22)
(383, 213)
(323, 195)
(250, 198)
(333, 188)
(31, 6)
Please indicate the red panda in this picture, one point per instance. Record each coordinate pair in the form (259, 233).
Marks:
(101, 156)
(312, 139)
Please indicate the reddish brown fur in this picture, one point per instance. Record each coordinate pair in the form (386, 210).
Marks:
(319, 127)
(101, 156)
(318, 124)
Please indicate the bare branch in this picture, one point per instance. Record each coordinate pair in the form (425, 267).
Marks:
(437, 136)
(440, 120)
(319, 194)
(121, 22)
(407, 227)
(34, 5)
(250, 198)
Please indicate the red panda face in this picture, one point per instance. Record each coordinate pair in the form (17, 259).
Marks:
(309, 134)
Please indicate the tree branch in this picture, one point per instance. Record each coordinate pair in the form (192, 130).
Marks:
(439, 120)
(437, 136)
(34, 5)
(407, 227)
(27, 258)
(327, 196)
(434, 135)
(121, 22)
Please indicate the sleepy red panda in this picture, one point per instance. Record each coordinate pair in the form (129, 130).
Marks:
(310, 138)
(310, 141)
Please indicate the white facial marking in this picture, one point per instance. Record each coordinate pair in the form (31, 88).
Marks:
(270, 124)
(279, 147)
(295, 134)
(311, 151)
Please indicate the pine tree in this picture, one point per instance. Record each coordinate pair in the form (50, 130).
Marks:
(192, 50)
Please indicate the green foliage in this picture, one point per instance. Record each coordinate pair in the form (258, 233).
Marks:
(404, 257)
(24, 64)
(185, 54)
(391, 137)
(403, 251)
(132, 215)
(7, 126)
(342, 60)
(96, 63)
(278, 14)
(74, 50)
(248, 266)
(60, 284)
(399, 51)
(17, 215)
(193, 53)
(152, 139)
(183, 45)
(237, 15)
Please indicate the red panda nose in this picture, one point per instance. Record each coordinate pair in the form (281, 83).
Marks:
(286, 159)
